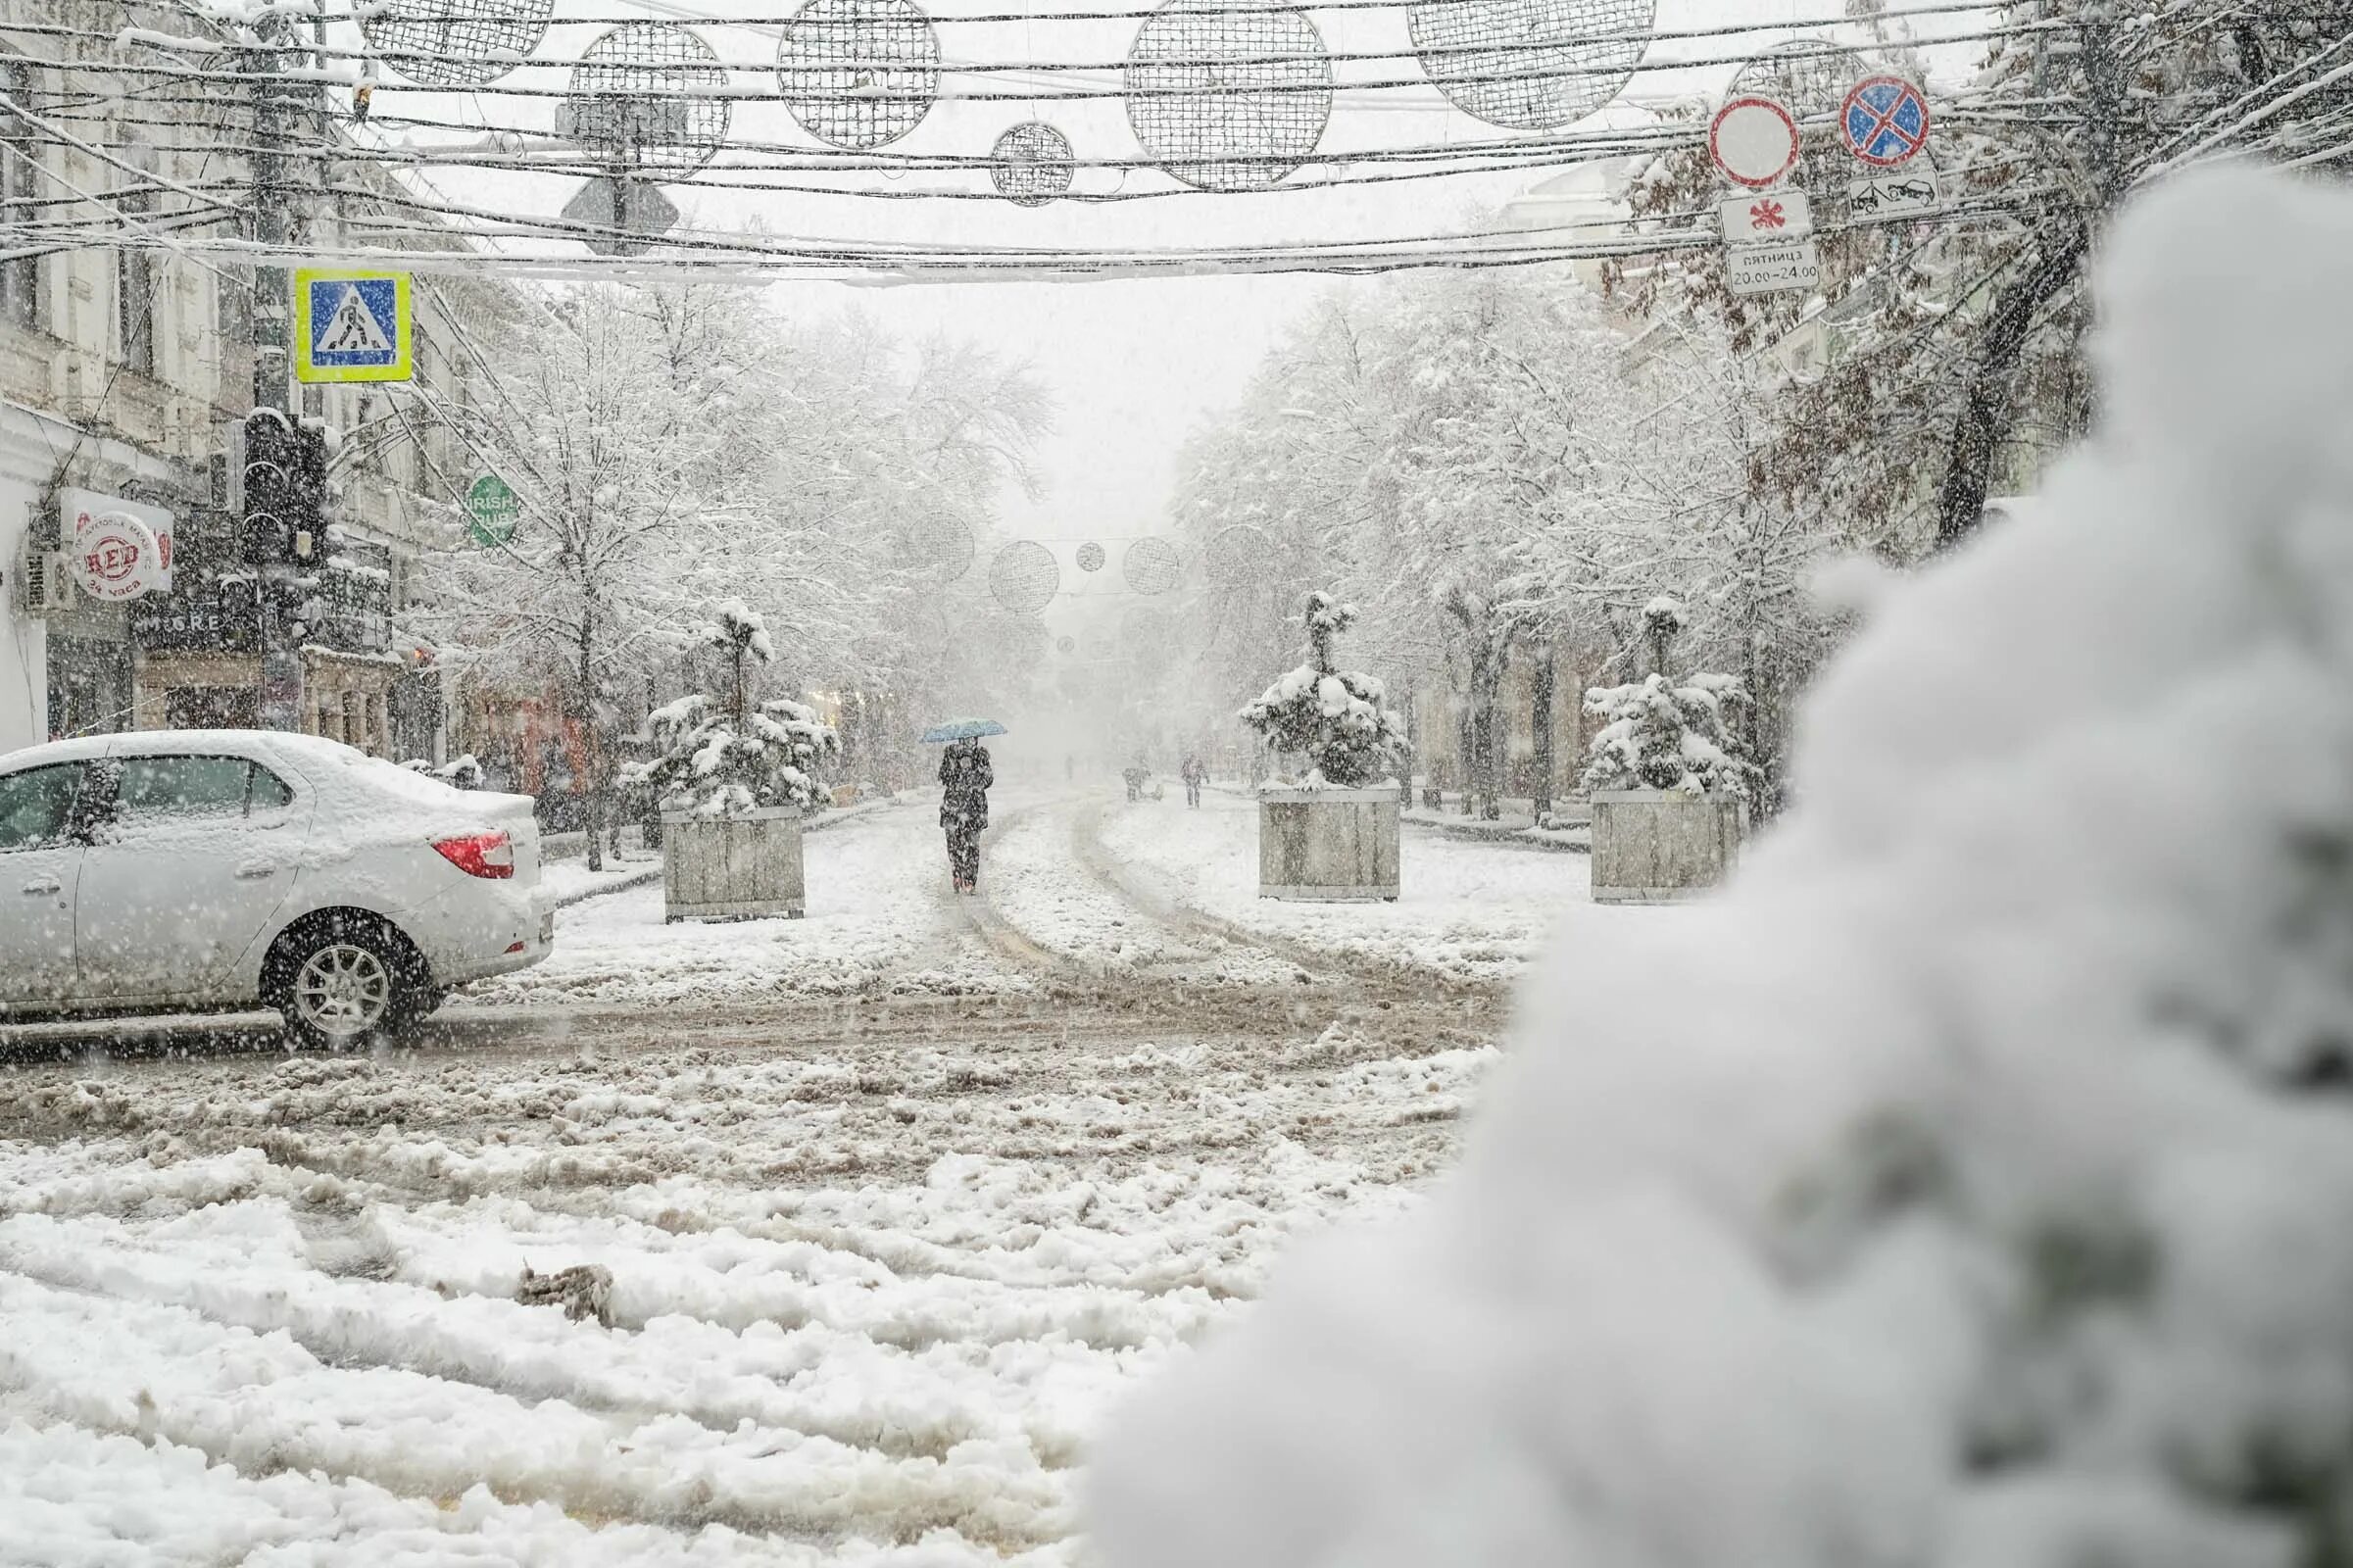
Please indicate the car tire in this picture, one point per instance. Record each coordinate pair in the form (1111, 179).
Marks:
(340, 981)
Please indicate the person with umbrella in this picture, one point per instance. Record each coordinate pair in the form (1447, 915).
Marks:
(965, 775)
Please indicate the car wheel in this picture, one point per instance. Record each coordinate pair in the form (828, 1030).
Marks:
(338, 986)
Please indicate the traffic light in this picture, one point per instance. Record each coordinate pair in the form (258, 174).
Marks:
(286, 488)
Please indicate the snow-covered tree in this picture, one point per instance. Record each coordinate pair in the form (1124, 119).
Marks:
(723, 755)
(1332, 717)
(1667, 732)
(679, 445)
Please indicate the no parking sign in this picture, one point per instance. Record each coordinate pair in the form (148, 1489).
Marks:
(1885, 121)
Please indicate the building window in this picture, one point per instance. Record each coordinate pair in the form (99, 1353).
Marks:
(134, 264)
(20, 197)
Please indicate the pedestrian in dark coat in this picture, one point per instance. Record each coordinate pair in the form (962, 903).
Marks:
(1195, 776)
(964, 779)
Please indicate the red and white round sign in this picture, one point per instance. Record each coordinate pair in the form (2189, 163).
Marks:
(115, 557)
(1753, 141)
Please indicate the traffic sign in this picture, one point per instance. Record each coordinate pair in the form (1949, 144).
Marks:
(351, 326)
(631, 206)
(1881, 197)
(1885, 121)
(1777, 266)
(492, 509)
(1774, 215)
(1753, 141)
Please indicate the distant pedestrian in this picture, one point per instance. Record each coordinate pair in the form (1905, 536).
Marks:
(1134, 773)
(964, 779)
(1195, 776)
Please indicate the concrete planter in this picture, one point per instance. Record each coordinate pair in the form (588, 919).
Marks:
(1328, 846)
(1653, 847)
(732, 867)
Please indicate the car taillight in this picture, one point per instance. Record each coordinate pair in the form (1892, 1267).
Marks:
(490, 855)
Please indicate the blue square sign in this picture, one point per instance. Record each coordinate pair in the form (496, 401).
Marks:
(351, 326)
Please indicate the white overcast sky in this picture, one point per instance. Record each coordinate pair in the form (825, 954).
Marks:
(1133, 366)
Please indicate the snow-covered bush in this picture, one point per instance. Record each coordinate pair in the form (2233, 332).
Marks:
(1660, 733)
(1979, 1201)
(720, 755)
(462, 772)
(1333, 715)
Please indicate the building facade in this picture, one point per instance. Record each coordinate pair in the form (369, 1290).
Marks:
(125, 374)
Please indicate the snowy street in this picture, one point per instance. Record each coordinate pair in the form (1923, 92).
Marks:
(1344, 784)
(893, 1201)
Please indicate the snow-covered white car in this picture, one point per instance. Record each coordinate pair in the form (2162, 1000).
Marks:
(209, 870)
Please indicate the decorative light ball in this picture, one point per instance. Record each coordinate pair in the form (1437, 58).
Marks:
(1237, 554)
(1810, 75)
(940, 546)
(1151, 565)
(1528, 65)
(1228, 94)
(858, 74)
(1091, 557)
(1024, 577)
(455, 43)
(1066, 645)
(1031, 164)
(646, 96)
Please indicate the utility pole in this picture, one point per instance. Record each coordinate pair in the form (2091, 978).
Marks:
(269, 531)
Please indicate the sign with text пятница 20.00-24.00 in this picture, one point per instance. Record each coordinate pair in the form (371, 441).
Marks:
(351, 324)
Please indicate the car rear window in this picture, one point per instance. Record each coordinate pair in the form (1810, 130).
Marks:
(269, 792)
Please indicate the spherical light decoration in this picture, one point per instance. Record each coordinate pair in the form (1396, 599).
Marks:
(455, 43)
(858, 74)
(1024, 577)
(1151, 565)
(646, 96)
(1031, 163)
(938, 546)
(1144, 633)
(1066, 645)
(1530, 64)
(1237, 554)
(1009, 641)
(1810, 75)
(1228, 94)
(1091, 557)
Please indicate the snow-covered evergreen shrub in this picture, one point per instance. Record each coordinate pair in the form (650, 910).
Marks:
(1332, 715)
(721, 756)
(1659, 733)
(1965, 1186)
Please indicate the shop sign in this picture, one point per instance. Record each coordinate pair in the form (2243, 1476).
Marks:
(225, 617)
(116, 549)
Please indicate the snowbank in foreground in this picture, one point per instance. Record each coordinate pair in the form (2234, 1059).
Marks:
(1973, 1203)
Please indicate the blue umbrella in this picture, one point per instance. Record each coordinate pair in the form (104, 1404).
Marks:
(961, 729)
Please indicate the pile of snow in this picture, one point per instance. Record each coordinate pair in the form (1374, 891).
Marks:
(1979, 1200)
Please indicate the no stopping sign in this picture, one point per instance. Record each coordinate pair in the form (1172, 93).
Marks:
(1753, 141)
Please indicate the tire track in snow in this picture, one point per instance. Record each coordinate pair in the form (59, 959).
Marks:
(264, 1405)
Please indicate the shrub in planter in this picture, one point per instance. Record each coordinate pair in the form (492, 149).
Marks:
(1669, 784)
(1333, 835)
(734, 781)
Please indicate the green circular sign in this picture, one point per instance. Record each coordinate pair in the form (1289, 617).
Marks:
(492, 509)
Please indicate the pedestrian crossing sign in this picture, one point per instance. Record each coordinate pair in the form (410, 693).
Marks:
(351, 326)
